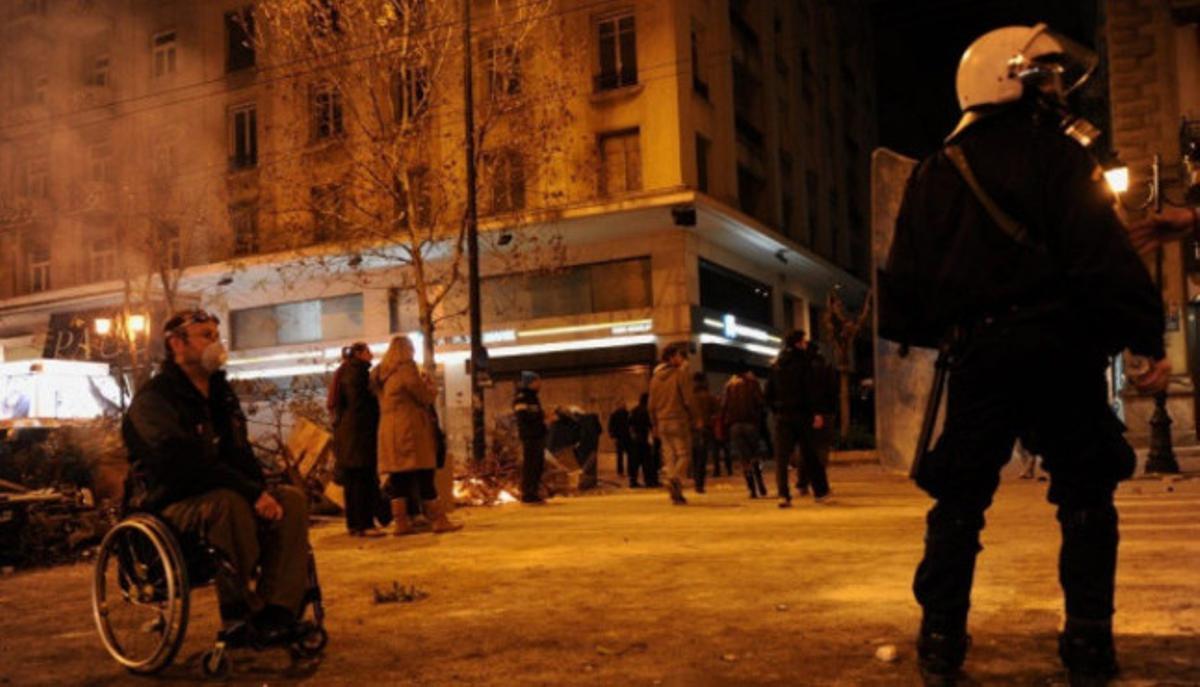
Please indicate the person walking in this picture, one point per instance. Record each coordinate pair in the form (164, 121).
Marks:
(704, 440)
(741, 409)
(1008, 256)
(825, 400)
(674, 416)
(355, 415)
(618, 431)
(792, 396)
(407, 441)
(531, 428)
(640, 430)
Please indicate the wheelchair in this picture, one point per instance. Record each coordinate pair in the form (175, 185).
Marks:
(141, 589)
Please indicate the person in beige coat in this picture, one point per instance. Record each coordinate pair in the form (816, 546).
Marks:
(407, 447)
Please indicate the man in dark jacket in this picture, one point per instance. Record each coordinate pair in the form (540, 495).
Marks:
(825, 391)
(618, 430)
(355, 414)
(640, 453)
(191, 462)
(742, 408)
(800, 411)
(1007, 249)
(531, 427)
(704, 438)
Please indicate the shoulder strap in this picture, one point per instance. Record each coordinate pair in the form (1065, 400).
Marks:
(1011, 227)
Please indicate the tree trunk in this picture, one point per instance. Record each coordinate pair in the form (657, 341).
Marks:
(844, 405)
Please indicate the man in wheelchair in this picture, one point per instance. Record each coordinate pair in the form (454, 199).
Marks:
(192, 464)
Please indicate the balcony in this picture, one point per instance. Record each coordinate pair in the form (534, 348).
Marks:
(92, 197)
(608, 81)
(92, 96)
(748, 134)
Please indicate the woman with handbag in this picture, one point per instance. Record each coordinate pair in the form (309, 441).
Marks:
(407, 443)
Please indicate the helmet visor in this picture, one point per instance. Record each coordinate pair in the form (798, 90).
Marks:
(1071, 62)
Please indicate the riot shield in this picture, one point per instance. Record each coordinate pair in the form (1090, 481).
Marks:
(902, 385)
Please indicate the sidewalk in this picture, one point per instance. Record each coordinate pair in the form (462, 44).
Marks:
(623, 589)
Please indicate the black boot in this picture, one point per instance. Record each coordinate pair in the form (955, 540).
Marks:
(1087, 652)
(750, 485)
(676, 490)
(762, 486)
(941, 649)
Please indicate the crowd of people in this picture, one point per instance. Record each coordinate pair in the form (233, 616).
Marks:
(679, 427)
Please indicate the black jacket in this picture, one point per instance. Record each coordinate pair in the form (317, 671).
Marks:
(356, 418)
(796, 388)
(950, 264)
(618, 425)
(182, 444)
(639, 424)
(531, 421)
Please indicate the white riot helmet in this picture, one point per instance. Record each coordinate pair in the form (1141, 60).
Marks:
(999, 66)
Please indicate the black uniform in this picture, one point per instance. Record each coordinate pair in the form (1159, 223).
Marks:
(531, 427)
(1037, 322)
(618, 429)
(795, 396)
(641, 456)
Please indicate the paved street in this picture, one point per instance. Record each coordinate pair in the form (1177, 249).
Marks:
(623, 589)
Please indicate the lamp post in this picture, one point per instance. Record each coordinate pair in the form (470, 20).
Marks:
(478, 355)
(1161, 457)
(126, 331)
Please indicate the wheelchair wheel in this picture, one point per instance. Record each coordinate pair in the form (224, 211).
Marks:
(311, 643)
(140, 594)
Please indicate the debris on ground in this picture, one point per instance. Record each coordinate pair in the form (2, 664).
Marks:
(729, 658)
(781, 607)
(399, 594)
(634, 647)
(887, 653)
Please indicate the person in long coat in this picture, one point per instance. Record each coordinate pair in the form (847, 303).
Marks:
(355, 413)
(407, 446)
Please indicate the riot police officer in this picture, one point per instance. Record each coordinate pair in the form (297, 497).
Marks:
(1008, 251)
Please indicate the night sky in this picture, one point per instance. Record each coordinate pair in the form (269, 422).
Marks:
(918, 44)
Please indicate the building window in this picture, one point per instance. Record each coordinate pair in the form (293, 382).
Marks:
(100, 162)
(699, 82)
(239, 34)
(410, 88)
(244, 221)
(163, 156)
(786, 183)
(170, 245)
(575, 290)
(41, 84)
(727, 291)
(326, 112)
(618, 52)
(340, 317)
(507, 171)
(620, 162)
(413, 199)
(750, 191)
(97, 73)
(503, 71)
(243, 131)
(38, 260)
(36, 178)
(326, 204)
(164, 53)
(102, 260)
(703, 145)
(811, 188)
(324, 18)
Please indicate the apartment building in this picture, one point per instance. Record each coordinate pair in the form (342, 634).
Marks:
(724, 153)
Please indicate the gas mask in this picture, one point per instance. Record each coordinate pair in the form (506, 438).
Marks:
(213, 357)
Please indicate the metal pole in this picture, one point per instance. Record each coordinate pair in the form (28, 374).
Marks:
(478, 439)
(1161, 458)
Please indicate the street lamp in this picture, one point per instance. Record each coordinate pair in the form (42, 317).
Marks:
(1161, 458)
(103, 326)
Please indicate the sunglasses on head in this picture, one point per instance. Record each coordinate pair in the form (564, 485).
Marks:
(180, 321)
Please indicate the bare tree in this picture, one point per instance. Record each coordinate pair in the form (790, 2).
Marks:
(374, 88)
(843, 328)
